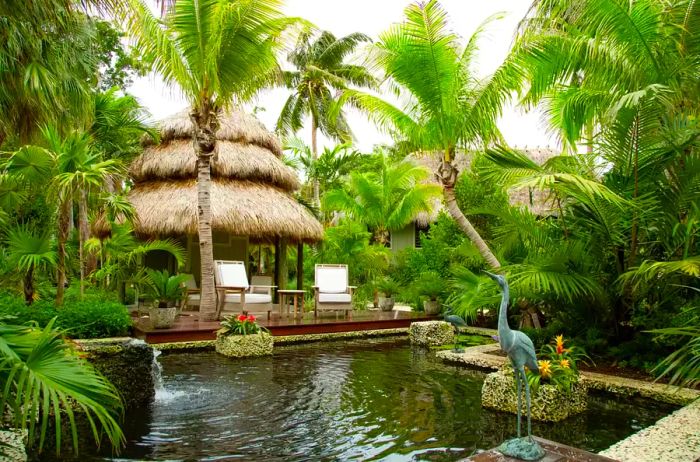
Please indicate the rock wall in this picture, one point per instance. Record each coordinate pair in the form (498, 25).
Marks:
(548, 404)
(127, 363)
(431, 333)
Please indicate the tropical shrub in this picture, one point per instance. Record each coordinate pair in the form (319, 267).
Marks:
(387, 286)
(164, 288)
(44, 380)
(242, 324)
(430, 285)
(97, 316)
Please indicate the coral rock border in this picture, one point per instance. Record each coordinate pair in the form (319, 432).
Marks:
(548, 404)
(431, 333)
(242, 346)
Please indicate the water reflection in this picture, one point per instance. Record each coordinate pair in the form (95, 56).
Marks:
(368, 400)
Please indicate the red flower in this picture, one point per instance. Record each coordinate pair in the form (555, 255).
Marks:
(242, 317)
(251, 318)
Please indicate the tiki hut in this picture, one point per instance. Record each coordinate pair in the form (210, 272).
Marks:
(252, 197)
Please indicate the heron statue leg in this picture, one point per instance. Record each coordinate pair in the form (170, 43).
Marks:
(520, 400)
(527, 401)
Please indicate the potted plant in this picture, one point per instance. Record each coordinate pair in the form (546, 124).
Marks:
(164, 290)
(387, 287)
(430, 285)
(241, 336)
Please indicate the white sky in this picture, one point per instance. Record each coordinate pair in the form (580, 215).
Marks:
(371, 17)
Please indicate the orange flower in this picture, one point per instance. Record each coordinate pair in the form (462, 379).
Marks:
(545, 368)
(560, 344)
(565, 363)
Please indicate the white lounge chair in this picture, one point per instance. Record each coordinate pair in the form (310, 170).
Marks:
(235, 294)
(193, 294)
(331, 289)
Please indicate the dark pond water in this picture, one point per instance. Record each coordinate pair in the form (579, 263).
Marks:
(368, 400)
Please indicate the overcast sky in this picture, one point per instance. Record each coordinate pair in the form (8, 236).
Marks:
(372, 17)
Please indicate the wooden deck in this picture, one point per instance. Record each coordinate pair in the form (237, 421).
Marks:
(188, 327)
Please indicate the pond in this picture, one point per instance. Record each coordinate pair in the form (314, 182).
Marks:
(359, 400)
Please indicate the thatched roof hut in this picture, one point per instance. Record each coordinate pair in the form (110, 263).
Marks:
(251, 186)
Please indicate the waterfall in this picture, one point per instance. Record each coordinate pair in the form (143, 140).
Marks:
(162, 393)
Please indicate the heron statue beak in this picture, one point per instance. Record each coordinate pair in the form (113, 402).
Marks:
(491, 275)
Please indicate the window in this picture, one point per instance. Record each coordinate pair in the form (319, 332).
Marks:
(418, 230)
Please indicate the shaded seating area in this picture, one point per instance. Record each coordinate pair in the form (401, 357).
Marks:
(252, 204)
(331, 289)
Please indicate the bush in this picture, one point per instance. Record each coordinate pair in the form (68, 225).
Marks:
(94, 317)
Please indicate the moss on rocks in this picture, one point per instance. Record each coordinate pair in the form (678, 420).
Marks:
(240, 346)
(431, 333)
(127, 363)
(548, 403)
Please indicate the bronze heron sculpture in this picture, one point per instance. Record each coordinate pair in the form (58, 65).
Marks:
(518, 347)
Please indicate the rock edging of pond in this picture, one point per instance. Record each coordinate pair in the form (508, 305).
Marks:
(480, 357)
(241, 346)
(289, 339)
(675, 438)
(548, 403)
(431, 333)
(126, 362)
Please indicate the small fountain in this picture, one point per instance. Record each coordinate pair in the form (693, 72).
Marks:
(162, 394)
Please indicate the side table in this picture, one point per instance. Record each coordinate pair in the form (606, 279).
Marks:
(297, 297)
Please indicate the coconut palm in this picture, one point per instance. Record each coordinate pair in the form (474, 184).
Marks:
(321, 71)
(444, 107)
(44, 381)
(218, 52)
(386, 200)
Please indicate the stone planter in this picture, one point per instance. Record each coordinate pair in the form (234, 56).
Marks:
(386, 303)
(240, 346)
(431, 307)
(162, 318)
(431, 333)
(549, 404)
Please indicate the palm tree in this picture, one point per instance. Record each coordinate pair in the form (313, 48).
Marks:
(218, 52)
(330, 169)
(44, 380)
(386, 200)
(446, 108)
(28, 251)
(321, 71)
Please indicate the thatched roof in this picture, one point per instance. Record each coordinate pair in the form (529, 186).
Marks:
(252, 189)
(235, 160)
(242, 208)
(534, 200)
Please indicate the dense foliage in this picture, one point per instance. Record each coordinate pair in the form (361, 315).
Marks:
(97, 315)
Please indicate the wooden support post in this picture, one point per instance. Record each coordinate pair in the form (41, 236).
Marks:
(300, 266)
(282, 259)
(277, 269)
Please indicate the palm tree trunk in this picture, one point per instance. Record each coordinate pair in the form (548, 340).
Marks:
(63, 232)
(314, 157)
(28, 286)
(83, 235)
(205, 123)
(448, 176)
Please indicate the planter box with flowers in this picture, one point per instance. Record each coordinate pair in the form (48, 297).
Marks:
(556, 393)
(240, 336)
